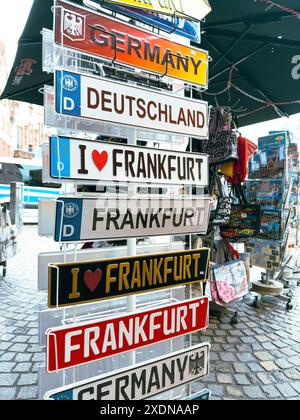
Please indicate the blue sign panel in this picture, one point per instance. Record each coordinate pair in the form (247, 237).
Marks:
(186, 28)
(68, 93)
(68, 219)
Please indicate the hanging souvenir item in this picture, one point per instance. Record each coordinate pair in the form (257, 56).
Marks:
(222, 143)
(229, 282)
(222, 213)
(244, 222)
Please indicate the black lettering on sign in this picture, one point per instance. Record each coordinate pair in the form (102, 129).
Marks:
(75, 283)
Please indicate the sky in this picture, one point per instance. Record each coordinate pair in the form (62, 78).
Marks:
(12, 21)
(13, 17)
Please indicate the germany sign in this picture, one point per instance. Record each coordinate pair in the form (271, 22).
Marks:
(70, 346)
(111, 40)
(142, 381)
(75, 283)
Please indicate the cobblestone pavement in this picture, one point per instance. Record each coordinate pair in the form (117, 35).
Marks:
(259, 358)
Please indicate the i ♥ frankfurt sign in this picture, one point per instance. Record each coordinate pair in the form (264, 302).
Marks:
(86, 160)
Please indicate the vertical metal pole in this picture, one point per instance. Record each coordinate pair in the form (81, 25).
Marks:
(131, 244)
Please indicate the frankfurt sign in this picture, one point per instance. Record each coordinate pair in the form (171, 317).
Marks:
(114, 41)
(75, 283)
(142, 381)
(85, 219)
(70, 346)
(95, 98)
(193, 9)
(86, 160)
(168, 23)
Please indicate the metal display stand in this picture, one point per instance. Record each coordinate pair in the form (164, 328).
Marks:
(60, 58)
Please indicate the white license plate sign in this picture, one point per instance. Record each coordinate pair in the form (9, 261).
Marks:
(79, 219)
(86, 160)
(100, 99)
(144, 380)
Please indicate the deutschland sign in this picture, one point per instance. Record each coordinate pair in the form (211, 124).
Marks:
(75, 283)
(70, 346)
(85, 219)
(86, 160)
(104, 100)
(144, 380)
(114, 41)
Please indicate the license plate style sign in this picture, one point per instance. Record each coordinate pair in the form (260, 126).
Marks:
(79, 219)
(70, 346)
(103, 100)
(86, 160)
(95, 34)
(144, 380)
(168, 23)
(75, 283)
(193, 9)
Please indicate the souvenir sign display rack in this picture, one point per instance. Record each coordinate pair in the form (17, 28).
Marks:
(88, 58)
(272, 192)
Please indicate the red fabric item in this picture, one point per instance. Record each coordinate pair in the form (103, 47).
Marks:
(245, 150)
(231, 249)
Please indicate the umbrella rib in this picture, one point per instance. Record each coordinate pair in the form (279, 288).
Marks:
(256, 19)
(257, 38)
(231, 46)
(249, 80)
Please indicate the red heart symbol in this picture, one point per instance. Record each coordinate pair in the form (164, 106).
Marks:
(92, 280)
(100, 159)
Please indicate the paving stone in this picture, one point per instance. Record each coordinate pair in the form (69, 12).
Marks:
(6, 366)
(292, 374)
(240, 367)
(39, 357)
(254, 392)
(228, 357)
(18, 347)
(269, 346)
(234, 391)
(214, 356)
(34, 349)
(295, 360)
(23, 367)
(248, 340)
(219, 340)
(7, 393)
(224, 378)
(283, 363)
(263, 356)
(7, 337)
(296, 386)
(27, 393)
(265, 378)
(33, 340)
(242, 379)
(23, 357)
(233, 340)
(8, 379)
(216, 390)
(28, 379)
(256, 347)
(5, 346)
(271, 391)
(286, 390)
(246, 357)
(244, 348)
(279, 343)
(7, 357)
(269, 366)
(262, 338)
